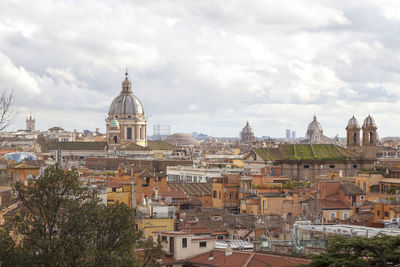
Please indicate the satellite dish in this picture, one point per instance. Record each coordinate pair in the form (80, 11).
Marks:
(168, 200)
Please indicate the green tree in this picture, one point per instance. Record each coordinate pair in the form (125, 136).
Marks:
(380, 250)
(61, 223)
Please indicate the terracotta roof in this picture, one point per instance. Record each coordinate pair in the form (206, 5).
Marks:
(205, 218)
(246, 259)
(176, 194)
(333, 205)
(192, 189)
(349, 188)
(23, 166)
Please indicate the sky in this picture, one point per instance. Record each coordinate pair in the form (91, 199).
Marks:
(205, 66)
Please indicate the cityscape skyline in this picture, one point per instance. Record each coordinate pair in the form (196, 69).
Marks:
(225, 67)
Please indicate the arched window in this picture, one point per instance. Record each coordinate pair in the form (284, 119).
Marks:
(371, 135)
(231, 195)
(115, 139)
(354, 138)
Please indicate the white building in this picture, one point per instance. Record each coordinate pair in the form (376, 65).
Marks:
(189, 174)
(184, 245)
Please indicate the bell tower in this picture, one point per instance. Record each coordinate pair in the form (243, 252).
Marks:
(30, 124)
(353, 135)
(369, 147)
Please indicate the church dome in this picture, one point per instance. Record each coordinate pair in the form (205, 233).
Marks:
(181, 139)
(353, 123)
(314, 126)
(114, 123)
(368, 122)
(247, 130)
(126, 105)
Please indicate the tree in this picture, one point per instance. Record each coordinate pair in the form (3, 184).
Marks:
(61, 223)
(380, 250)
(6, 113)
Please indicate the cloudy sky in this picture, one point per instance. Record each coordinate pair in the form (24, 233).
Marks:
(205, 66)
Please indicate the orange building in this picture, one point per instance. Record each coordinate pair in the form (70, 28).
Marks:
(225, 191)
(22, 172)
(386, 209)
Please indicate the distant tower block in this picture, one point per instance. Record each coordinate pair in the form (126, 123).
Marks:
(293, 134)
(30, 124)
(287, 133)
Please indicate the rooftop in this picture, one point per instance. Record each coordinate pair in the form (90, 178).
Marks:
(306, 152)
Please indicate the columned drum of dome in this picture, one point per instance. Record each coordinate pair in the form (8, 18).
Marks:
(126, 122)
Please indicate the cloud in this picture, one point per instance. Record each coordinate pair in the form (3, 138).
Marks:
(203, 65)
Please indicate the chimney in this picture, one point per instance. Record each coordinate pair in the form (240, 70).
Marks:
(228, 250)
(211, 256)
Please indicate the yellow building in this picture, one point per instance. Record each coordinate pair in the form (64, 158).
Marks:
(150, 225)
(121, 193)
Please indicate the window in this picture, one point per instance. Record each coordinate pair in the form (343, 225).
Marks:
(141, 132)
(129, 133)
(114, 189)
(184, 242)
(355, 166)
(219, 194)
(378, 213)
(163, 238)
(386, 214)
(214, 194)
(203, 244)
(362, 197)
(345, 215)
(365, 187)
(306, 166)
(237, 195)
(354, 138)
(231, 195)
(332, 166)
(264, 204)
(332, 216)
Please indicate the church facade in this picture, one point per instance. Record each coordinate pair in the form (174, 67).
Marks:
(126, 122)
